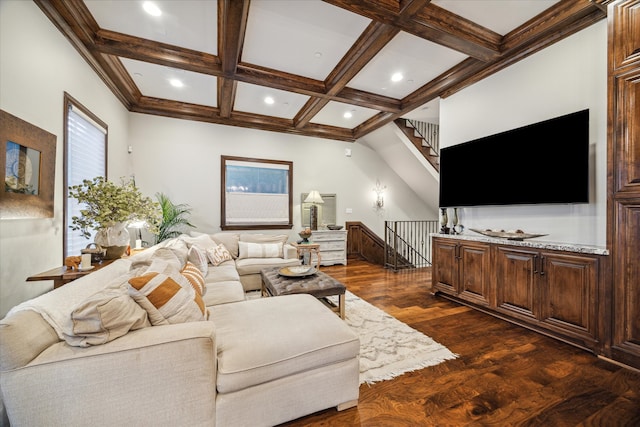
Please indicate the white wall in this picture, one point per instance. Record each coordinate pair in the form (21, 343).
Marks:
(37, 65)
(182, 159)
(566, 77)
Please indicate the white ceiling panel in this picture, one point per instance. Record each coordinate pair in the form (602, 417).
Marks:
(250, 99)
(333, 115)
(301, 37)
(192, 24)
(499, 16)
(418, 60)
(154, 80)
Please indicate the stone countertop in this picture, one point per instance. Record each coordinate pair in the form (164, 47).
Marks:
(529, 243)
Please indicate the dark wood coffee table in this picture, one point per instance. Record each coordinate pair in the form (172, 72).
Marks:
(319, 284)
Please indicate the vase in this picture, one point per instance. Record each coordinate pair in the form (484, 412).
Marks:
(444, 220)
(113, 239)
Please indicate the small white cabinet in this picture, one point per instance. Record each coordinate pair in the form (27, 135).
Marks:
(333, 246)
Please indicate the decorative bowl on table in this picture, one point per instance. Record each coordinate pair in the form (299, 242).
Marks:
(509, 235)
(334, 227)
(297, 271)
(305, 235)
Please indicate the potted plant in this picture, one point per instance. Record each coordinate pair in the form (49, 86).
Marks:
(174, 218)
(109, 208)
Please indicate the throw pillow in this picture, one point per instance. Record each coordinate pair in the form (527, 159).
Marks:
(229, 240)
(198, 257)
(260, 250)
(167, 298)
(105, 316)
(203, 241)
(218, 254)
(195, 277)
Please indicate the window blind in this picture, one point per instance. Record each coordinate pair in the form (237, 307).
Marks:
(86, 159)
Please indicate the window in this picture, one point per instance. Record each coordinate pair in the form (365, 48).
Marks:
(85, 157)
(256, 194)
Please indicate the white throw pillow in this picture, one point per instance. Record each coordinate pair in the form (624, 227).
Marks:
(260, 250)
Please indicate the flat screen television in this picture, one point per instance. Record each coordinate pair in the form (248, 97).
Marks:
(542, 163)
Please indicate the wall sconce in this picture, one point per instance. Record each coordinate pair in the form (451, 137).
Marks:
(379, 190)
(315, 199)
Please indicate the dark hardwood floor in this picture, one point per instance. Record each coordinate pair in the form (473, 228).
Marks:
(505, 375)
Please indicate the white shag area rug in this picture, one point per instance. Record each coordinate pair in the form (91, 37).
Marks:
(388, 347)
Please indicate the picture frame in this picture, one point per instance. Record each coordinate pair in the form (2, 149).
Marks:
(28, 161)
(255, 193)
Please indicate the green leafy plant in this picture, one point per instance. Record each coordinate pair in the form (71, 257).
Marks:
(174, 218)
(107, 203)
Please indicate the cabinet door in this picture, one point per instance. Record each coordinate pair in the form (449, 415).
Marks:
(445, 266)
(474, 267)
(569, 297)
(516, 290)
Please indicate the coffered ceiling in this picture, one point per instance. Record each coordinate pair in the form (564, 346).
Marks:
(327, 66)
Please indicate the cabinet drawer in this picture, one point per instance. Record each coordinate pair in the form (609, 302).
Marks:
(332, 246)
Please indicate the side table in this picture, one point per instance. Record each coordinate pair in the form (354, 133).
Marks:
(62, 275)
(311, 248)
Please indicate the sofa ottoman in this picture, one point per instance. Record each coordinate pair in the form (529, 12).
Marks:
(291, 350)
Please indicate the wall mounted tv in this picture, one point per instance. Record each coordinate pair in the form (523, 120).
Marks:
(545, 162)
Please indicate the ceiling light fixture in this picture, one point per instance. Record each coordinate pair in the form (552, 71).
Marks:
(151, 8)
(176, 83)
(269, 100)
(347, 115)
(396, 77)
(318, 55)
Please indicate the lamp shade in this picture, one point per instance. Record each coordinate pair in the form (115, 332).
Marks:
(314, 197)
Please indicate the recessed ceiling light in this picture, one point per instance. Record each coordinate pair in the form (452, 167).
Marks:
(269, 100)
(151, 8)
(318, 55)
(137, 74)
(396, 77)
(347, 115)
(176, 83)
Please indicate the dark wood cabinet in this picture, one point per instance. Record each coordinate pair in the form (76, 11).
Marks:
(462, 269)
(554, 292)
(623, 219)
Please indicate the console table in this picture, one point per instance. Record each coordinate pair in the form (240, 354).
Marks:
(63, 275)
(552, 288)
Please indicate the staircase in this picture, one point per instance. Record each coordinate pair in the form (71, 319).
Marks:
(425, 137)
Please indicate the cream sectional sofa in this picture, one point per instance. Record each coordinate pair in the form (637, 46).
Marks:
(255, 362)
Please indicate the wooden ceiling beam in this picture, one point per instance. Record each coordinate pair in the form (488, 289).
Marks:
(232, 24)
(431, 23)
(369, 44)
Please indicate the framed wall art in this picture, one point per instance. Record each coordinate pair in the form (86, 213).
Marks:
(256, 194)
(28, 159)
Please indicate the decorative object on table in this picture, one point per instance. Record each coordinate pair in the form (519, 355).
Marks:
(297, 271)
(28, 159)
(174, 218)
(305, 234)
(389, 347)
(517, 235)
(97, 253)
(72, 262)
(109, 208)
(444, 221)
(456, 228)
(334, 227)
(379, 190)
(315, 199)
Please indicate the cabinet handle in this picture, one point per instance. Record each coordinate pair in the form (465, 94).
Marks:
(542, 273)
(535, 264)
(457, 252)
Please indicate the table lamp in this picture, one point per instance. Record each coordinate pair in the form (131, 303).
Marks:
(315, 199)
